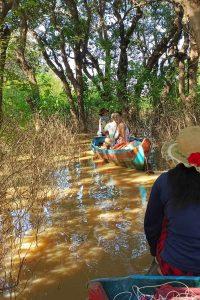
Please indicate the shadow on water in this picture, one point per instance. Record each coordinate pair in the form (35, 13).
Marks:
(93, 228)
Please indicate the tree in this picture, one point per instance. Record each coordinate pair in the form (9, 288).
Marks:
(6, 8)
(109, 43)
(63, 41)
(192, 11)
(98, 61)
(125, 35)
(158, 31)
(26, 66)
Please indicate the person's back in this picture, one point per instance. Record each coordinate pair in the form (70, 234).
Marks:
(124, 132)
(103, 120)
(172, 219)
(182, 242)
(111, 129)
(122, 129)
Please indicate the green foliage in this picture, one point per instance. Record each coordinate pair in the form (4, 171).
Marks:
(55, 20)
(52, 98)
(14, 105)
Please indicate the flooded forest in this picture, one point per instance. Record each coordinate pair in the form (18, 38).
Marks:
(67, 216)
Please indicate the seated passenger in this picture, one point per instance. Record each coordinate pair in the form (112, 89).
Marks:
(111, 132)
(172, 220)
(111, 127)
(103, 120)
(122, 130)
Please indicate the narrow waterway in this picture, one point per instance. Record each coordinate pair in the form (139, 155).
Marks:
(93, 228)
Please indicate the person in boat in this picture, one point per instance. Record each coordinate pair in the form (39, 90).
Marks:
(103, 120)
(172, 219)
(122, 131)
(111, 132)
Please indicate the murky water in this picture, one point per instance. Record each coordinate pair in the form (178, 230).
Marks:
(93, 228)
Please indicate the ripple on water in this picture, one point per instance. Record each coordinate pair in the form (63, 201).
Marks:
(63, 178)
(104, 192)
(142, 246)
(124, 226)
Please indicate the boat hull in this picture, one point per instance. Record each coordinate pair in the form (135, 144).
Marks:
(127, 287)
(130, 158)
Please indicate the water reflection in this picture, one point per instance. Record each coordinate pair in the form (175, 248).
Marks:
(143, 194)
(63, 178)
(142, 245)
(94, 229)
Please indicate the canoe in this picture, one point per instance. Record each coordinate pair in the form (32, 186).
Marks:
(134, 157)
(142, 287)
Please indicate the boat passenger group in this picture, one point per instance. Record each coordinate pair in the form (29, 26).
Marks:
(114, 129)
(172, 220)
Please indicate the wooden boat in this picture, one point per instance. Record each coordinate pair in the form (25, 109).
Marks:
(134, 157)
(136, 286)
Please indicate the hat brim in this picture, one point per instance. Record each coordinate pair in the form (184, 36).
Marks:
(170, 152)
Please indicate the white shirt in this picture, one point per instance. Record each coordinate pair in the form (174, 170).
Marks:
(111, 127)
(102, 123)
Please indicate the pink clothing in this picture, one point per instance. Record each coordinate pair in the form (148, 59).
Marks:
(122, 140)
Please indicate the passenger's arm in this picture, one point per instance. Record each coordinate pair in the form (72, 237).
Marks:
(154, 217)
(122, 131)
(100, 127)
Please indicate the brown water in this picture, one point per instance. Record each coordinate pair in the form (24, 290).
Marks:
(93, 228)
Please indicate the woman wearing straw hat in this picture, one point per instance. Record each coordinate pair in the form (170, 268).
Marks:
(172, 220)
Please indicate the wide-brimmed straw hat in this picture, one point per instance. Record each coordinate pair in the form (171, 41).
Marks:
(185, 149)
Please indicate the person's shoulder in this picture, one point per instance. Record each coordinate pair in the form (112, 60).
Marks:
(122, 125)
(162, 178)
(108, 125)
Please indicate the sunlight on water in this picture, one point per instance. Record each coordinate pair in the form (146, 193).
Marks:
(92, 228)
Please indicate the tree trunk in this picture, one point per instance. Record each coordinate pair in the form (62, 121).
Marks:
(160, 111)
(33, 100)
(181, 77)
(193, 67)
(122, 73)
(26, 67)
(80, 88)
(191, 113)
(106, 94)
(192, 11)
(4, 40)
(125, 38)
(73, 111)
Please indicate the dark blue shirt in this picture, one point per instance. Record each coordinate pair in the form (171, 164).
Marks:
(182, 245)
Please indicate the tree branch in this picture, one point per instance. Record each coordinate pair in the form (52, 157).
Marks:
(164, 44)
